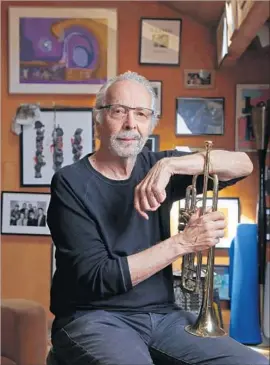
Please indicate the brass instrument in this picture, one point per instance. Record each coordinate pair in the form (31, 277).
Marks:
(207, 323)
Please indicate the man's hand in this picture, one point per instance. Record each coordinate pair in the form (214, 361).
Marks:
(151, 191)
(202, 232)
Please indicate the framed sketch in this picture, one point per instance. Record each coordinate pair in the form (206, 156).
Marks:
(199, 79)
(61, 50)
(24, 213)
(248, 95)
(199, 116)
(153, 143)
(157, 86)
(61, 137)
(160, 41)
(221, 281)
(230, 207)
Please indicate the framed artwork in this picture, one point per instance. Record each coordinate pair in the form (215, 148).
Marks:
(153, 143)
(221, 281)
(199, 116)
(61, 137)
(61, 50)
(268, 224)
(230, 207)
(157, 86)
(160, 41)
(199, 79)
(246, 97)
(24, 213)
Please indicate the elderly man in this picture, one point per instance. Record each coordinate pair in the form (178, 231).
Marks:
(112, 292)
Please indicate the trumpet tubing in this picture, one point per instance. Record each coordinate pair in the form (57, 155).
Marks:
(207, 323)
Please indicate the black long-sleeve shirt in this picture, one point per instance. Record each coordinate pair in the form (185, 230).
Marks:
(94, 227)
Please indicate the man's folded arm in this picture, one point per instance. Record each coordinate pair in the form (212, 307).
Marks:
(79, 247)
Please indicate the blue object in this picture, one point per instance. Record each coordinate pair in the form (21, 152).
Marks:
(244, 286)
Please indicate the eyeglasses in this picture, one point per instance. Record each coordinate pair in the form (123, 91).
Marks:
(119, 112)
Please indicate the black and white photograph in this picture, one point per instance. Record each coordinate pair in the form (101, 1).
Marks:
(157, 86)
(199, 79)
(153, 143)
(61, 137)
(24, 213)
(160, 41)
(199, 116)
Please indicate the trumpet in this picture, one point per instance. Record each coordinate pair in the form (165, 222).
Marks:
(207, 323)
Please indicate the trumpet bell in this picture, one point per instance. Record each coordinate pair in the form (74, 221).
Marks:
(207, 324)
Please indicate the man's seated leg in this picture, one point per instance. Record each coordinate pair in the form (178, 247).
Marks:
(171, 344)
(102, 338)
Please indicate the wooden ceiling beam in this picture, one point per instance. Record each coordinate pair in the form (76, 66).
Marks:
(246, 32)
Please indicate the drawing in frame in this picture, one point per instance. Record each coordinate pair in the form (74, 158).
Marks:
(199, 79)
(61, 137)
(24, 213)
(153, 142)
(199, 116)
(248, 95)
(61, 50)
(160, 41)
(230, 207)
(221, 281)
(157, 86)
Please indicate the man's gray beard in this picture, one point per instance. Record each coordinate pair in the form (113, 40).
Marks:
(125, 152)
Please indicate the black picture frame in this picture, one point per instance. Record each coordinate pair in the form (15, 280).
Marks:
(157, 85)
(153, 142)
(37, 142)
(12, 220)
(199, 116)
(168, 33)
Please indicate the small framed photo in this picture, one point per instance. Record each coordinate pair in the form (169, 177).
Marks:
(157, 86)
(153, 143)
(199, 79)
(230, 207)
(247, 96)
(221, 281)
(61, 137)
(24, 213)
(160, 41)
(199, 116)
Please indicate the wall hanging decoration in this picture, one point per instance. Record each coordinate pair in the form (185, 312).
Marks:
(200, 116)
(153, 143)
(24, 213)
(247, 96)
(160, 41)
(199, 79)
(157, 86)
(60, 137)
(61, 50)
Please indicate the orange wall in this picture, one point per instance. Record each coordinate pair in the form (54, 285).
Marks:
(26, 259)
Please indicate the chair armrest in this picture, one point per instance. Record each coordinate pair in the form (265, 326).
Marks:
(24, 332)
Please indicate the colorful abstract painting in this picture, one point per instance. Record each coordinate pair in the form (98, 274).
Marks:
(246, 97)
(59, 51)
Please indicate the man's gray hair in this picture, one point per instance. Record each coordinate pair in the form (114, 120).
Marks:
(132, 76)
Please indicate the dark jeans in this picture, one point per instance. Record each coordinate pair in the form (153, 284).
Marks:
(108, 338)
